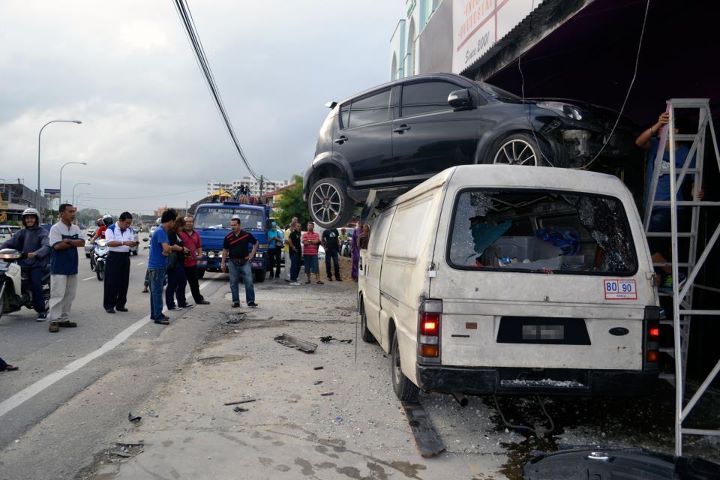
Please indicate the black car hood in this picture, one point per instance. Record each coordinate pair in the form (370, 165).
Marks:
(598, 111)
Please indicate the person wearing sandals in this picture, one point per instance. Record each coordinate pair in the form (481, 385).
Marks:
(6, 367)
(311, 243)
(65, 238)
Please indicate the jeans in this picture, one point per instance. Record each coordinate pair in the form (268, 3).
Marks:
(36, 287)
(294, 266)
(311, 264)
(176, 286)
(331, 255)
(156, 277)
(244, 271)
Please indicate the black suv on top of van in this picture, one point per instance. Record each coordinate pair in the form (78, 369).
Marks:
(395, 136)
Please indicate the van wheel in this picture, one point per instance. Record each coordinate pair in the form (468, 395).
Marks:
(329, 204)
(519, 149)
(405, 390)
(365, 334)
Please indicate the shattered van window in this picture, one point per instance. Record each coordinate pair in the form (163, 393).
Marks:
(541, 231)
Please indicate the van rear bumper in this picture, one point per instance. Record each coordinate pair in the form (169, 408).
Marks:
(484, 381)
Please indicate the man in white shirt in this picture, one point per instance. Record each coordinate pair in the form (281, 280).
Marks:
(119, 237)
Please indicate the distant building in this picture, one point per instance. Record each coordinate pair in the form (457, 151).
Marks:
(233, 186)
(16, 197)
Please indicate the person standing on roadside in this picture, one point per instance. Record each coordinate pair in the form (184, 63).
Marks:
(275, 243)
(237, 257)
(294, 244)
(355, 251)
(65, 238)
(331, 244)
(191, 240)
(157, 265)
(33, 242)
(177, 281)
(310, 246)
(120, 237)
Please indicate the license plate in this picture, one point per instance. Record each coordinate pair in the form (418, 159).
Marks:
(619, 289)
(543, 332)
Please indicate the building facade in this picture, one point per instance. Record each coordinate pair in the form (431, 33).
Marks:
(254, 185)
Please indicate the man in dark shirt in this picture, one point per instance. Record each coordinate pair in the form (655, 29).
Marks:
(295, 245)
(239, 249)
(332, 249)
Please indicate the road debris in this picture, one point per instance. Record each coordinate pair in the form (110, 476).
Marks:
(240, 410)
(318, 382)
(134, 418)
(235, 318)
(327, 394)
(293, 342)
(330, 338)
(318, 368)
(238, 402)
(427, 439)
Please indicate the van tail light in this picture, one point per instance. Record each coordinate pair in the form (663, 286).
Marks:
(429, 324)
(651, 338)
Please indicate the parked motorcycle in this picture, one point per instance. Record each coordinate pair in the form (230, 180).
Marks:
(15, 291)
(345, 249)
(89, 247)
(98, 259)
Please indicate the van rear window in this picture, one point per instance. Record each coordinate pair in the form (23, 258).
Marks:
(540, 231)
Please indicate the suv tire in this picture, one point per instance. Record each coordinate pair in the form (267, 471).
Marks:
(329, 204)
(517, 149)
(405, 390)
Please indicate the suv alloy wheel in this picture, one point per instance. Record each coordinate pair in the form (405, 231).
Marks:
(329, 204)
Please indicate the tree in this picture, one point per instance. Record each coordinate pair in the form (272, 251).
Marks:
(87, 216)
(291, 203)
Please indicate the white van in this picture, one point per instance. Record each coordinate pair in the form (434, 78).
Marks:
(507, 279)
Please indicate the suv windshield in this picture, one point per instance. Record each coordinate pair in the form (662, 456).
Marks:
(219, 217)
(541, 231)
(497, 92)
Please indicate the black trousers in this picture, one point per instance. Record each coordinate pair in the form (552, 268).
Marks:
(332, 256)
(274, 260)
(192, 279)
(117, 276)
(176, 283)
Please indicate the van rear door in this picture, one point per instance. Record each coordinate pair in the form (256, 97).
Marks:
(543, 279)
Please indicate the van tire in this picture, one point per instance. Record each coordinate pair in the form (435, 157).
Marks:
(329, 204)
(365, 333)
(405, 390)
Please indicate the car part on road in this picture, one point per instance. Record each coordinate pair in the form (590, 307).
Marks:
(292, 342)
(427, 439)
(134, 418)
(240, 410)
(330, 338)
(617, 463)
(405, 390)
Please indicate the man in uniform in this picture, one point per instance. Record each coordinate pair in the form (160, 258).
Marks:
(120, 237)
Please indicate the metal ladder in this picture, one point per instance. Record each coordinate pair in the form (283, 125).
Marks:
(682, 294)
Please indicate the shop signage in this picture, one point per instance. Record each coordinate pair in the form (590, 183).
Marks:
(479, 24)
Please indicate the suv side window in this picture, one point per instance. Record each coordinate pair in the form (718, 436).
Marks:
(373, 109)
(345, 116)
(426, 97)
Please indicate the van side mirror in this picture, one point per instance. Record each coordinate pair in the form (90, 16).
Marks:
(460, 99)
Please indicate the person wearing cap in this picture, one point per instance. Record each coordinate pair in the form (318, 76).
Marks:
(120, 237)
(276, 239)
(237, 257)
(32, 242)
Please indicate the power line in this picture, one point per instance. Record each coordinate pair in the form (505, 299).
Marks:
(186, 17)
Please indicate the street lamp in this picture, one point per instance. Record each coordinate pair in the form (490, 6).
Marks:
(37, 194)
(61, 169)
(81, 183)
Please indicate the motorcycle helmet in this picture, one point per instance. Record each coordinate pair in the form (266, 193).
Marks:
(28, 212)
(107, 220)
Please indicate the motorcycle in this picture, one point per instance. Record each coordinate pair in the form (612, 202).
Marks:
(15, 291)
(98, 259)
(345, 248)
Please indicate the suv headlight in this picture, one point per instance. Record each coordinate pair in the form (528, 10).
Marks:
(563, 109)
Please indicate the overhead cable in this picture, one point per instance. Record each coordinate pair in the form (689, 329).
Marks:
(189, 24)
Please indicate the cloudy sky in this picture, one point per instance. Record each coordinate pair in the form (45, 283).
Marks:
(150, 134)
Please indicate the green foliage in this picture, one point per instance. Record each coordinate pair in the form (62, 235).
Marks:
(291, 204)
(87, 216)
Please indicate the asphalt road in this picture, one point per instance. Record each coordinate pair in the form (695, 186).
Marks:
(76, 385)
